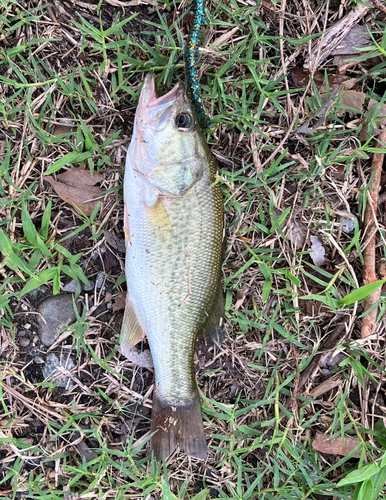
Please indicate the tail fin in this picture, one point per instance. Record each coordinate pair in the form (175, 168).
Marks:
(177, 425)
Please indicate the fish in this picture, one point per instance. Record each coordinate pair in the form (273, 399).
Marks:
(173, 223)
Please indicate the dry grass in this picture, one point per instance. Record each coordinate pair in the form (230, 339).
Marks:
(79, 65)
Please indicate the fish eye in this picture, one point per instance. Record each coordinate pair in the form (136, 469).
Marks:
(184, 121)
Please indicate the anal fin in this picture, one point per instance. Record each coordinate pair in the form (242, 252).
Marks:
(214, 330)
(131, 331)
(177, 425)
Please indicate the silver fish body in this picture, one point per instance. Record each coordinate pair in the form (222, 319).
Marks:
(174, 229)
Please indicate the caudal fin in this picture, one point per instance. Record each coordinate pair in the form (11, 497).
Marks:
(177, 425)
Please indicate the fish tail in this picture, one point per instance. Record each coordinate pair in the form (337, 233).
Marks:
(177, 425)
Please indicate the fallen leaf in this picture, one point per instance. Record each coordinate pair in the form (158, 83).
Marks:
(77, 187)
(357, 100)
(115, 240)
(139, 358)
(338, 172)
(297, 234)
(79, 177)
(109, 260)
(63, 126)
(324, 444)
(352, 99)
(301, 76)
(119, 301)
(317, 251)
(341, 81)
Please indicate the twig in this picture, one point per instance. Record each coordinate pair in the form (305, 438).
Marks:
(335, 35)
(370, 223)
(379, 5)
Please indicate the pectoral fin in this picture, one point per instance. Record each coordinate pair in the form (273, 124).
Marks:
(213, 330)
(131, 331)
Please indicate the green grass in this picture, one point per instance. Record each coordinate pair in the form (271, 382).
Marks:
(259, 447)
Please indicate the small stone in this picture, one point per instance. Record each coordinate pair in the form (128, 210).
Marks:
(35, 339)
(50, 369)
(24, 307)
(37, 294)
(56, 313)
(24, 342)
(27, 326)
(100, 279)
(87, 288)
(70, 287)
(348, 223)
(39, 360)
(21, 333)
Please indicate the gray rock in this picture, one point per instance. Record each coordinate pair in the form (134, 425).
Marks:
(51, 369)
(85, 452)
(27, 326)
(100, 279)
(348, 223)
(37, 294)
(55, 314)
(21, 333)
(39, 360)
(24, 342)
(90, 287)
(70, 287)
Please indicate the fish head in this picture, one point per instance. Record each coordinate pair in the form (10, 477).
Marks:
(167, 141)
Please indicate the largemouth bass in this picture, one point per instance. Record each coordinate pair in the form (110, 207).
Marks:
(173, 219)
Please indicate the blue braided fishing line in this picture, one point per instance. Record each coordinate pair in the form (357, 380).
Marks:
(191, 59)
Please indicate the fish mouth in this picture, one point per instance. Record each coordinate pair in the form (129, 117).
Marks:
(149, 94)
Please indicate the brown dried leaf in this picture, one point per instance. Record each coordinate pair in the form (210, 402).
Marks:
(109, 260)
(76, 187)
(334, 446)
(301, 76)
(80, 177)
(119, 301)
(338, 172)
(357, 101)
(342, 81)
(353, 99)
(64, 127)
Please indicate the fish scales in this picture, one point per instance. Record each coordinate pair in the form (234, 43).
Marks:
(176, 266)
(173, 225)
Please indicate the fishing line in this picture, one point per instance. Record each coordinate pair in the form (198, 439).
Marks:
(191, 55)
